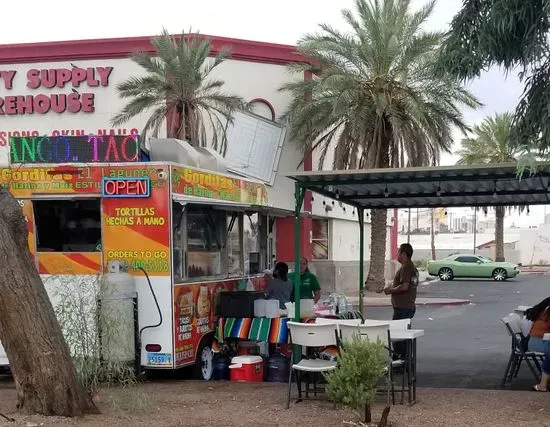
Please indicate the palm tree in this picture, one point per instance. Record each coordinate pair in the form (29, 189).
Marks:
(177, 84)
(491, 143)
(376, 100)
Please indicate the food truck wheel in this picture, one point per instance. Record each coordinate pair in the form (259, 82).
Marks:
(204, 363)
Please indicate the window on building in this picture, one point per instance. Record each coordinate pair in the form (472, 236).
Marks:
(320, 238)
(206, 230)
(68, 225)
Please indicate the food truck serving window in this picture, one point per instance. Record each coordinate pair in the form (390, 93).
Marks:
(205, 234)
(68, 225)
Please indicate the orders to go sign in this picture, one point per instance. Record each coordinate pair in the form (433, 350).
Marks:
(126, 187)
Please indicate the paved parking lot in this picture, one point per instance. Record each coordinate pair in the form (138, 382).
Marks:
(467, 346)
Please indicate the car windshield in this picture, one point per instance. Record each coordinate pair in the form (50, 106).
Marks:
(485, 260)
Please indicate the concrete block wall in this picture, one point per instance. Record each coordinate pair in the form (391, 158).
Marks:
(511, 255)
(343, 276)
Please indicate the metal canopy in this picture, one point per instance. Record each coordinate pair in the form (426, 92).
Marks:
(443, 186)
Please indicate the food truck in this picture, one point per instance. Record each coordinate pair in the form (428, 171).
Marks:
(186, 234)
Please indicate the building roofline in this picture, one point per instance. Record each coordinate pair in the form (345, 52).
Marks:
(116, 48)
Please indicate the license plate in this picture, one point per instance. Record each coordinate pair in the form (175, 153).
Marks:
(159, 359)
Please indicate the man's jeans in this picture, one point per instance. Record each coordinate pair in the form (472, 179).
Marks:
(400, 348)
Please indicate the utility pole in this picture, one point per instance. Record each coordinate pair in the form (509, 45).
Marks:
(409, 228)
(432, 233)
(475, 229)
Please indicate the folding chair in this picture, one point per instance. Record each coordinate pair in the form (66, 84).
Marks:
(518, 354)
(309, 335)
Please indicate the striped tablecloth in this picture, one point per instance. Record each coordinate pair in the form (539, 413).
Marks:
(274, 331)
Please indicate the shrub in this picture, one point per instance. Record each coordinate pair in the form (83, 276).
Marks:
(421, 264)
(360, 366)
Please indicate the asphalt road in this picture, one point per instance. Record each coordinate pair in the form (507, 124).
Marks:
(468, 346)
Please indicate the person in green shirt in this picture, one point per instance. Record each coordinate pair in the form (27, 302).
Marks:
(309, 284)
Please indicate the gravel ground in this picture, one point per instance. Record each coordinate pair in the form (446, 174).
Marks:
(190, 403)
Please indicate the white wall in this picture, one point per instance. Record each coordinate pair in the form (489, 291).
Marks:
(344, 241)
(534, 245)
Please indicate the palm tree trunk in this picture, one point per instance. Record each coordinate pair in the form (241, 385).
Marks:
(499, 233)
(379, 223)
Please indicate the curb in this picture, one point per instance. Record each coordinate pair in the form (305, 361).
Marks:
(421, 303)
(533, 272)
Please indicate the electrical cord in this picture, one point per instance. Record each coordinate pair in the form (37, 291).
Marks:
(156, 303)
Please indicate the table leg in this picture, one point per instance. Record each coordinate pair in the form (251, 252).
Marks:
(409, 369)
(414, 370)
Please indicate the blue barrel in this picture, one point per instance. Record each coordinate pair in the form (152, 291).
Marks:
(220, 368)
(277, 368)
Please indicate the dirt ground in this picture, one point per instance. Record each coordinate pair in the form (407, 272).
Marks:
(191, 403)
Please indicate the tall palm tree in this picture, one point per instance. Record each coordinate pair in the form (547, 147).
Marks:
(491, 143)
(376, 100)
(177, 84)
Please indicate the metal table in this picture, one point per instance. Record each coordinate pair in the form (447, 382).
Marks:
(410, 336)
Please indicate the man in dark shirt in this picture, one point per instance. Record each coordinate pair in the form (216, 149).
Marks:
(405, 283)
(403, 290)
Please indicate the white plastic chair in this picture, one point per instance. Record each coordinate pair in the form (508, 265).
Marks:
(309, 335)
(395, 325)
(325, 321)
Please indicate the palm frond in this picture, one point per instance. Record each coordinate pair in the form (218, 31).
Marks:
(176, 81)
(377, 99)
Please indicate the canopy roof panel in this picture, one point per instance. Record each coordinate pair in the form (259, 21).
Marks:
(483, 185)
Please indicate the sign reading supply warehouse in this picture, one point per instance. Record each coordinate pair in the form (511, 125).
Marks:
(73, 98)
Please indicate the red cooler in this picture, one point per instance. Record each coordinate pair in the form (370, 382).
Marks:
(247, 369)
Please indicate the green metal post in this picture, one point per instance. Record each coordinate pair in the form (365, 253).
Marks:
(299, 198)
(361, 215)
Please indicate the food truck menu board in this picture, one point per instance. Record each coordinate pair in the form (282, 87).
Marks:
(74, 149)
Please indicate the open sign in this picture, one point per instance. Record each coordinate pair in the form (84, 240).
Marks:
(126, 187)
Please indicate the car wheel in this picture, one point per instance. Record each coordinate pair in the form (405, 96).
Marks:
(446, 274)
(500, 275)
(204, 367)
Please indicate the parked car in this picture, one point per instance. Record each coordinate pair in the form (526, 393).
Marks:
(466, 265)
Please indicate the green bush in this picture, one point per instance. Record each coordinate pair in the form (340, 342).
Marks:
(360, 366)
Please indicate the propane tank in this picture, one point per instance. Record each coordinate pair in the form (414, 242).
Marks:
(116, 316)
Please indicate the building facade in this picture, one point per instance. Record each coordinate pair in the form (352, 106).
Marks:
(69, 88)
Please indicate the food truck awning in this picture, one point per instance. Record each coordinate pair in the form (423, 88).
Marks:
(272, 211)
(443, 186)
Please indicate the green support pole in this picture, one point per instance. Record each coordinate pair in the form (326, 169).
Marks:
(361, 215)
(299, 199)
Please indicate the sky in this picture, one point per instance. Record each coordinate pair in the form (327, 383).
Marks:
(283, 21)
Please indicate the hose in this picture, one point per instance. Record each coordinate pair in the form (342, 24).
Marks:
(156, 303)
